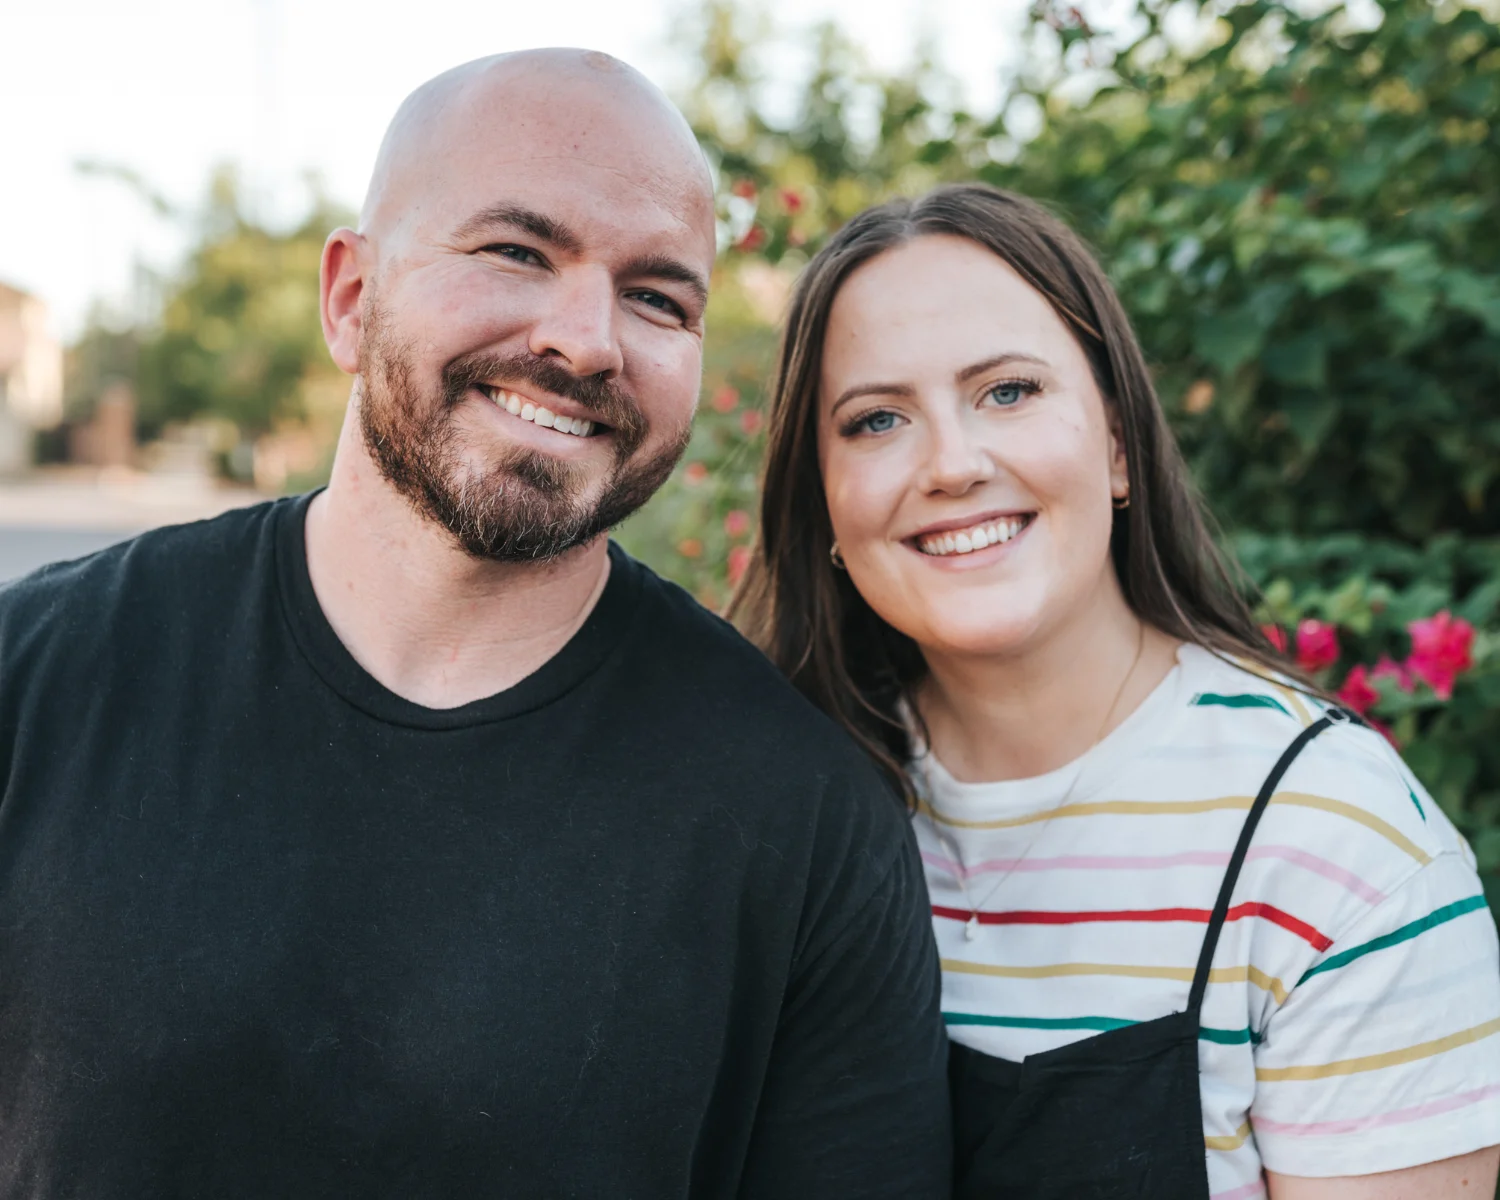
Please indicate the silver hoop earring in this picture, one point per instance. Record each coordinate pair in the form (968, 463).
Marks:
(835, 557)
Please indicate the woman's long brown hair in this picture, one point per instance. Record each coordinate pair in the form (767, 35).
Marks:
(806, 614)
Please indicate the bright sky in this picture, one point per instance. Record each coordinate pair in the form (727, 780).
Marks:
(168, 88)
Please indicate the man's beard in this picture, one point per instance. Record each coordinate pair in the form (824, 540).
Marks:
(520, 506)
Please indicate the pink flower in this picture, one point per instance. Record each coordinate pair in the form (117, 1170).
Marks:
(726, 399)
(1357, 693)
(750, 422)
(791, 200)
(1317, 645)
(1389, 668)
(1276, 635)
(736, 522)
(1441, 650)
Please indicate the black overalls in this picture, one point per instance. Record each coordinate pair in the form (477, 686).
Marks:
(1112, 1117)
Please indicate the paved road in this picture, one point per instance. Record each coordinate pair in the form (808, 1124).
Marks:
(23, 549)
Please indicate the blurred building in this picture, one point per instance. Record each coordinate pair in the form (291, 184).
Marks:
(31, 376)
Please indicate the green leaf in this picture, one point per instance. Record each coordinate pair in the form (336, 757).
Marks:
(1227, 341)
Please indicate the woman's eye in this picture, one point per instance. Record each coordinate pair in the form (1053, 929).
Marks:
(1008, 393)
(875, 422)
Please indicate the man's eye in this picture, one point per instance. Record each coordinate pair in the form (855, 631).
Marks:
(520, 254)
(657, 301)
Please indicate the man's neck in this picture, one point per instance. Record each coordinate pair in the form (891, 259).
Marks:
(428, 621)
(1021, 716)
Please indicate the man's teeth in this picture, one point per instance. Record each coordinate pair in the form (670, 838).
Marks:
(536, 414)
(966, 541)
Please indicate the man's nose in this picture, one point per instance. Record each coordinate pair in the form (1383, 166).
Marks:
(579, 324)
(956, 460)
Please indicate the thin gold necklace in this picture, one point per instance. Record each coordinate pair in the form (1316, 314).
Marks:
(971, 926)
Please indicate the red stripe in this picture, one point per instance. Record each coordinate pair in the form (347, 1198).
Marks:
(1251, 908)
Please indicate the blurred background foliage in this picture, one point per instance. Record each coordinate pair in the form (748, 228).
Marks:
(1300, 208)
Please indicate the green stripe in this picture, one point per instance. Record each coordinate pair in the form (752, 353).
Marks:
(1442, 916)
(1229, 1037)
(1225, 1037)
(1417, 802)
(1248, 700)
(1102, 1023)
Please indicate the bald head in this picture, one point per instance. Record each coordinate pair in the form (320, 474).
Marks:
(533, 105)
(524, 300)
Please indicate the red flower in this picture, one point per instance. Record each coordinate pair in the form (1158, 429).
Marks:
(695, 473)
(1388, 668)
(1441, 650)
(744, 189)
(1357, 693)
(736, 522)
(754, 239)
(739, 560)
(1276, 635)
(791, 200)
(726, 399)
(1317, 645)
(750, 422)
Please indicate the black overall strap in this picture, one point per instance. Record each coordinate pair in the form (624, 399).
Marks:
(1242, 847)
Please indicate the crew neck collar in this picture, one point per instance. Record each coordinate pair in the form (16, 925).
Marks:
(602, 631)
(1149, 724)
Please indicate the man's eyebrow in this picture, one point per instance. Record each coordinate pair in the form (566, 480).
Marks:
(665, 267)
(528, 220)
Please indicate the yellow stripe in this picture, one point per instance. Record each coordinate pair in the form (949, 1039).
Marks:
(1267, 983)
(1355, 813)
(1152, 808)
(1232, 1142)
(1391, 1058)
(1295, 701)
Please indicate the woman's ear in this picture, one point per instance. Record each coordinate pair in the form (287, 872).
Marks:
(1119, 466)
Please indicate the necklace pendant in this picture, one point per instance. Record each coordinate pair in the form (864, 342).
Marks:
(971, 928)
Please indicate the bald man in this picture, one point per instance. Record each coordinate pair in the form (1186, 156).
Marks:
(408, 839)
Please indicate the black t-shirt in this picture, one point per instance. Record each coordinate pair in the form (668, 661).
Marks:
(644, 925)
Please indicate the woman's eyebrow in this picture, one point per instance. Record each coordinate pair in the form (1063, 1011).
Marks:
(871, 389)
(998, 360)
(963, 376)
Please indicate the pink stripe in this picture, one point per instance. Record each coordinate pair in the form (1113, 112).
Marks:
(1243, 1192)
(1147, 862)
(1400, 1117)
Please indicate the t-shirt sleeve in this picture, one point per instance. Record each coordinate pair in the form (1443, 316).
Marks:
(1386, 1053)
(855, 1102)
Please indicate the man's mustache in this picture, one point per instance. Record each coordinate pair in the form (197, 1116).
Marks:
(609, 403)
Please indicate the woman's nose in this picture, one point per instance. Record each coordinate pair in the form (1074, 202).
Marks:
(956, 460)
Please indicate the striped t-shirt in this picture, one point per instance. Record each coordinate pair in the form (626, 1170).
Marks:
(1352, 1023)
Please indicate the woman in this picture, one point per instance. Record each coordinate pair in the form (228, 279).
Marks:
(1200, 934)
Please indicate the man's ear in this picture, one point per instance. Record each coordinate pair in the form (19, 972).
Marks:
(1119, 466)
(342, 286)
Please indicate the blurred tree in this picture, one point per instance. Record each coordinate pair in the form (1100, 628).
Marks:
(239, 335)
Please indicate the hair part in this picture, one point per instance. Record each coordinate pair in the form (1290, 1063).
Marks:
(808, 617)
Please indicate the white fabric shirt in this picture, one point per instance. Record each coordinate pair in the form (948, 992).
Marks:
(1352, 1023)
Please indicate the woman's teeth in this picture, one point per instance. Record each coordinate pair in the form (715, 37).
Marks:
(966, 541)
(537, 415)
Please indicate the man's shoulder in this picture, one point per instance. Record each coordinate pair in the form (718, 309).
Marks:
(152, 575)
(712, 663)
(711, 676)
